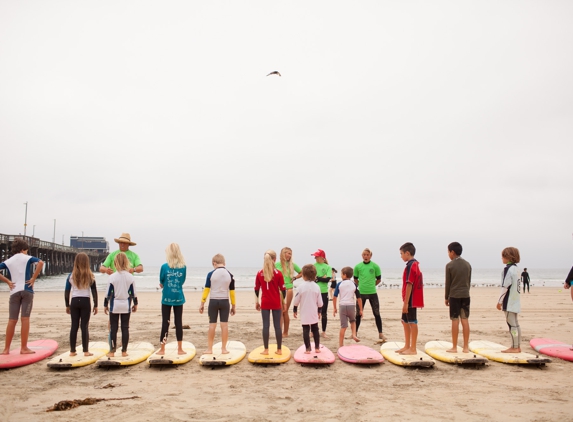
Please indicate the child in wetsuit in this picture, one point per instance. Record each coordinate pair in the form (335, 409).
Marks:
(509, 301)
(309, 298)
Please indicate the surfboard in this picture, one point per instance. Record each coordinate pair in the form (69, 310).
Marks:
(492, 351)
(136, 353)
(237, 351)
(171, 357)
(43, 349)
(358, 353)
(98, 348)
(272, 358)
(437, 350)
(420, 359)
(325, 356)
(553, 348)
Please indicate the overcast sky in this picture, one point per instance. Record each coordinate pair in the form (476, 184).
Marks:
(393, 121)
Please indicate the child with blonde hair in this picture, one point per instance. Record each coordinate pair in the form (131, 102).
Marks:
(290, 272)
(171, 279)
(122, 300)
(78, 285)
(509, 301)
(269, 282)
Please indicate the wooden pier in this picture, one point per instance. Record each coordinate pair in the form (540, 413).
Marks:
(58, 259)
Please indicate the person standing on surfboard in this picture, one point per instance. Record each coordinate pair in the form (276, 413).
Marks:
(309, 298)
(288, 269)
(19, 267)
(350, 300)
(367, 276)
(172, 276)
(323, 277)
(509, 301)
(220, 284)
(412, 298)
(458, 283)
(78, 285)
(270, 284)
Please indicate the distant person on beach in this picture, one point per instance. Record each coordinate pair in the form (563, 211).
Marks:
(78, 285)
(220, 285)
(122, 300)
(19, 267)
(269, 283)
(458, 283)
(525, 280)
(569, 282)
(509, 300)
(367, 276)
(172, 276)
(350, 300)
(323, 277)
(412, 298)
(309, 298)
(332, 284)
(290, 272)
(124, 242)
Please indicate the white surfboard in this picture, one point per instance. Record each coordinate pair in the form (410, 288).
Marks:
(438, 350)
(493, 351)
(420, 359)
(172, 356)
(98, 348)
(136, 353)
(237, 351)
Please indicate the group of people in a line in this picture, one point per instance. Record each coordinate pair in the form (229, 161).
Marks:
(274, 290)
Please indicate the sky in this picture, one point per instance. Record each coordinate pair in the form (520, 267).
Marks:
(392, 122)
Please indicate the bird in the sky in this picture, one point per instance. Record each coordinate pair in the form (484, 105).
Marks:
(276, 72)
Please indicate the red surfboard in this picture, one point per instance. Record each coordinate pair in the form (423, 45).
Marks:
(554, 348)
(43, 349)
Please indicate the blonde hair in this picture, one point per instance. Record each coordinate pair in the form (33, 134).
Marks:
(121, 263)
(218, 259)
(269, 265)
(511, 254)
(82, 275)
(287, 266)
(174, 256)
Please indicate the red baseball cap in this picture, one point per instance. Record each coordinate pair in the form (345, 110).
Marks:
(320, 253)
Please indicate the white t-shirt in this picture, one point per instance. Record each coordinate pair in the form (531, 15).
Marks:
(308, 299)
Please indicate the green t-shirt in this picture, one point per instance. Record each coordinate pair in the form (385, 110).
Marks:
(131, 256)
(323, 270)
(366, 275)
(288, 280)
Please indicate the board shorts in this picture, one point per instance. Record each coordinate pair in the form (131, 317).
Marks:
(20, 300)
(459, 308)
(218, 307)
(411, 317)
(347, 314)
(333, 284)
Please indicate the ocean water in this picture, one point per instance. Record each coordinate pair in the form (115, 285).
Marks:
(245, 279)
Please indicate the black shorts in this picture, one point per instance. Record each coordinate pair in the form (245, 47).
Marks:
(411, 317)
(218, 307)
(459, 308)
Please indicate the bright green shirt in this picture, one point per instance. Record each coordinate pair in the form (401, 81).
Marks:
(323, 270)
(366, 275)
(288, 280)
(131, 256)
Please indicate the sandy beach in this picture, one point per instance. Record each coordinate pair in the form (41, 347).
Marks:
(290, 391)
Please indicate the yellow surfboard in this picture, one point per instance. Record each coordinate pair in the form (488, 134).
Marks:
(272, 358)
(136, 353)
(237, 351)
(438, 350)
(493, 351)
(171, 357)
(98, 348)
(420, 359)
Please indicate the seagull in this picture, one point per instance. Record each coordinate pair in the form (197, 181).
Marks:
(276, 72)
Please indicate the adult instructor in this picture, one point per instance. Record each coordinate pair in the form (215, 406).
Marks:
(124, 242)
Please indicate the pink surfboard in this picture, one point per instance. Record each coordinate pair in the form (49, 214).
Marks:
(43, 349)
(325, 356)
(553, 348)
(357, 353)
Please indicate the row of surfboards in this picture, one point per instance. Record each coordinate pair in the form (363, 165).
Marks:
(481, 352)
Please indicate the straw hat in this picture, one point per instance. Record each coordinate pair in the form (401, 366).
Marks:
(125, 238)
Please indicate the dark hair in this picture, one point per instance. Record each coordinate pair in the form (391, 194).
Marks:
(525, 269)
(511, 254)
(348, 272)
(334, 270)
(408, 247)
(309, 272)
(19, 245)
(456, 248)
